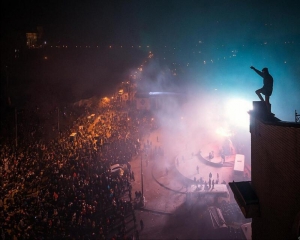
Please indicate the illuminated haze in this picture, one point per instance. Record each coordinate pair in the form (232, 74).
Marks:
(210, 45)
(202, 51)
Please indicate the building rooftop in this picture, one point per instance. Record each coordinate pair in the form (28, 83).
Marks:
(246, 198)
(260, 112)
(246, 191)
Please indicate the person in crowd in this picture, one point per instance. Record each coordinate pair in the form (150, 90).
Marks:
(142, 224)
(62, 187)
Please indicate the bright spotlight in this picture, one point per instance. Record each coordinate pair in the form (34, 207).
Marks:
(236, 111)
(224, 132)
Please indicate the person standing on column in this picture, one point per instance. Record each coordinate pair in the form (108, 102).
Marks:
(267, 88)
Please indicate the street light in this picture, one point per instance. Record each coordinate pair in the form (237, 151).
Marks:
(142, 182)
(16, 122)
(142, 177)
(58, 120)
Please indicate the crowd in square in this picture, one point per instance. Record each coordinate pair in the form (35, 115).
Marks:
(63, 188)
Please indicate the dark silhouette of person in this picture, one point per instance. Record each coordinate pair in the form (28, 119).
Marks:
(267, 88)
(142, 224)
(137, 235)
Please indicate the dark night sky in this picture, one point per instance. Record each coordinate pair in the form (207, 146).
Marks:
(153, 22)
(257, 30)
(201, 47)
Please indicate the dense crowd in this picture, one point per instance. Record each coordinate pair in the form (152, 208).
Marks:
(63, 188)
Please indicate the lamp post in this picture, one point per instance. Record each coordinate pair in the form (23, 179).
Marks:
(16, 122)
(89, 169)
(16, 128)
(58, 119)
(142, 177)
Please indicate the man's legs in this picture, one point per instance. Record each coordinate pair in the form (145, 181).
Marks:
(258, 92)
(268, 103)
(267, 98)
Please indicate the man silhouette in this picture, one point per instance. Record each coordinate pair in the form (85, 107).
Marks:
(267, 87)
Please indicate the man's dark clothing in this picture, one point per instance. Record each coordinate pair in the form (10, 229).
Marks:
(267, 89)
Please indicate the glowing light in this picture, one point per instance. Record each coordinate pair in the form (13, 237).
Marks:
(236, 111)
(223, 132)
(163, 93)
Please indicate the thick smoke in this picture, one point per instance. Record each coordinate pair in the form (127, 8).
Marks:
(190, 116)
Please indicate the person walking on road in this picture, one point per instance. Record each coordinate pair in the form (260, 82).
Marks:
(142, 224)
(137, 235)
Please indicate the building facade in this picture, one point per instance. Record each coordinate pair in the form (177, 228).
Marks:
(275, 151)
(272, 198)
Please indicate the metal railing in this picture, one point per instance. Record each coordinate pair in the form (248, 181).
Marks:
(297, 117)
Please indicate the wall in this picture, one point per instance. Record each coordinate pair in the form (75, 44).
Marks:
(275, 152)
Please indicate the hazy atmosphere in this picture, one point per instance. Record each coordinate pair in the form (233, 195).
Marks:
(197, 45)
(166, 83)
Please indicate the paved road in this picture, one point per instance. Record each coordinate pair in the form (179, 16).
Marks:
(166, 214)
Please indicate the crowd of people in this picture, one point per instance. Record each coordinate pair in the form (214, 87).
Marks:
(63, 188)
